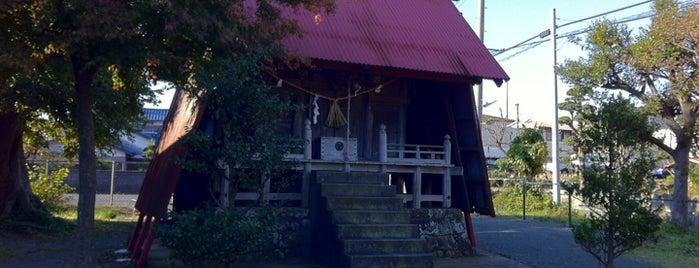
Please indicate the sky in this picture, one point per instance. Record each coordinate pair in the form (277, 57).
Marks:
(531, 85)
(509, 22)
(165, 98)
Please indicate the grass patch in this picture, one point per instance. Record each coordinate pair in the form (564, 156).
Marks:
(61, 223)
(4, 253)
(556, 214)
(539, 206)
(38, 223)
(108, 220)
(676, 247)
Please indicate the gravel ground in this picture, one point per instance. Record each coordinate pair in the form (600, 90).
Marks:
(537, 244)
(502, 241)
(118, 200)
(30, 251)
(17, 252)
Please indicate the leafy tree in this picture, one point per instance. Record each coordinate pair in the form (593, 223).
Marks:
(527, 154)
(243, 146)
(149, 151)
(615, 191)
(68, 68)
(577, 102)
(657, 68)
(60, 57)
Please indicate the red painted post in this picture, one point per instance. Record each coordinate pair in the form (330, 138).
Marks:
(469, 227)
(136, 232)
(146, 248)
(141, 238)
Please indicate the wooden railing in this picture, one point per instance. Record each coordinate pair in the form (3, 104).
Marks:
(413, 153)
(393, 158)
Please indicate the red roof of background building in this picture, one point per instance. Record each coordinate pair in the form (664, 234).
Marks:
(418, 35)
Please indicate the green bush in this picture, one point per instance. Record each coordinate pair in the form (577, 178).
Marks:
(509, 200)
(50, 188)
(212, 236)
(106, 213)
(693, 179)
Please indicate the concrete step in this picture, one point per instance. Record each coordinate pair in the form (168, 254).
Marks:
(383, 246)
(351, 177)
(363, 203)
(369, 222)
(415, 260)
(351, 189)
(368, 217)
(350, 231)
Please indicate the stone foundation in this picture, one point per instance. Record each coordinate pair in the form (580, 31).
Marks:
(445, 231)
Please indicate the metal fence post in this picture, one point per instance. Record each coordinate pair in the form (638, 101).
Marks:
(524, 198)
(111, 185)
(570, 203)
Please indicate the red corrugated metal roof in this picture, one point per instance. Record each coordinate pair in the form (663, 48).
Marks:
(419, 35)
(427, 36)
(161, 177)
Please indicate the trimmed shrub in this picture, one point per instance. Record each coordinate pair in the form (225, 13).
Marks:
(212, 236)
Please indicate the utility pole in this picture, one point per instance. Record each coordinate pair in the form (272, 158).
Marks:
(554, 128)
(517, 106)
(481, 31)
(507, 100)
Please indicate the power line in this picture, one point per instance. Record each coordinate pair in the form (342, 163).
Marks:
(605, 13)
(529, 45)
(541, 35)
(636, 17)
(548, 31)
(534, 44)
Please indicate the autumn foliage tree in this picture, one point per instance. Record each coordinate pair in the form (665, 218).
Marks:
(658, 69)
(63, 57)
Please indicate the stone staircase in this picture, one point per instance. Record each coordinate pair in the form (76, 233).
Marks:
(359, 222)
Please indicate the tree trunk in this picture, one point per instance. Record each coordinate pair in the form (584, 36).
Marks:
(15, 191)
(87, 184)
(680, 216)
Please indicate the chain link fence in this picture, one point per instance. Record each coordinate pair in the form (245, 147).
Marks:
(118, 183)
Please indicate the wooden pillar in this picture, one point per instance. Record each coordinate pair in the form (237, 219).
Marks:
(417, 187)
(266, 189)
(225, 191)
(307, 153)
(447, 150)
(307, 136)
(446, 179)
(446, 188)
(383, 147)
(383, 140)
(225, 185)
